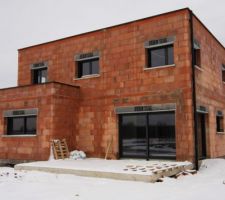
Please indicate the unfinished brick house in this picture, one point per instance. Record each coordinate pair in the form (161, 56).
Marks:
(150, 88)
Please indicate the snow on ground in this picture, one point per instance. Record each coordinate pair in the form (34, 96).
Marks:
(208, 184)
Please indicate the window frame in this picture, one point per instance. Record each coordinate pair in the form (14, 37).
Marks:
(165, 47)
(11, 132)
(38, 79)
(197, 53)
(197, 57)
(223, 72)
(37, 72)
(219, 122)
(79, 66)
(148, 154)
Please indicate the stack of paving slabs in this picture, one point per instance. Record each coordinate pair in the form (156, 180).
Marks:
(60, 149)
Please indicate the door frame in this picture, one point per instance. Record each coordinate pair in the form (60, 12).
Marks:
(203, 135)
(147, 157)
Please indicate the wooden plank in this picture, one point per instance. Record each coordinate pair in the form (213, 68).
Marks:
(60, 149)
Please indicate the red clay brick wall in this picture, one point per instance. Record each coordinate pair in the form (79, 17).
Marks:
(210, 88)
(46, 98)
(66, 99)
(123, 80)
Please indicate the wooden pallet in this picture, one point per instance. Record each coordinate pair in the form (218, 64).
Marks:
(60, 149)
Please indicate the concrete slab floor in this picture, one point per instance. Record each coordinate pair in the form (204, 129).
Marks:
(132, 170)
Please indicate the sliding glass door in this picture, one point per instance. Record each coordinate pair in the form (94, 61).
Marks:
(133, 135)
(147, 135)
(161, 130)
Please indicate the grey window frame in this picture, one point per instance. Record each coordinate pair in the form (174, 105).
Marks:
(25, 129)
(86, 58)
(37, 70)
(162, 43)
(219, 118)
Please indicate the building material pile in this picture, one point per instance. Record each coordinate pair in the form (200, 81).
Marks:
(60, 149)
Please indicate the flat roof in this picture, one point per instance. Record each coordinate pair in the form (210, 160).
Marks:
(129, 22)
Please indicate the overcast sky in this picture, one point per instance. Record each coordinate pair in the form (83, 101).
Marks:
(28, 22)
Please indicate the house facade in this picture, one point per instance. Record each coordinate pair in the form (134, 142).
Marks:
(151, 88)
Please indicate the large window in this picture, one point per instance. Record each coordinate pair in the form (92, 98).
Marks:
(148, 135)
(160, 56)
(88, 67)
(161, 127)
(219, 122)
(24, 125)
(133, 135)
(39, 73)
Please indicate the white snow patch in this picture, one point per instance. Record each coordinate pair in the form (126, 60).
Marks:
(207, 184)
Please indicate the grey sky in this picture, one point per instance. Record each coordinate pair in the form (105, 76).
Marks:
(28, 22)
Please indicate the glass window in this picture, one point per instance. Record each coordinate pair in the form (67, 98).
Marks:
(95, 67)
(160, 56)
(162, 134)
(88, 67)
(197, 57)
(133, 135)
(219, 124)
(21, 125)
(15, 126)
(170, 56)
(40, 75)
(85, 67)
(223, 72)
(148, 135)
(31, 125)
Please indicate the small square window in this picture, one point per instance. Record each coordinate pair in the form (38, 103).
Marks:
(160, 56)
(39, 72)
(40, 76)
(87, 67)
(219, 122)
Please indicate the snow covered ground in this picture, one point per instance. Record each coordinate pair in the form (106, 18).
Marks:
(208, 184)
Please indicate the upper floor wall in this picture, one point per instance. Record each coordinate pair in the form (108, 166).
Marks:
(122, 56)
(210, 71)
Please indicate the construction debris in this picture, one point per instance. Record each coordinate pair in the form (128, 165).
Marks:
(60, 149)
(185, 173)
(76, 155)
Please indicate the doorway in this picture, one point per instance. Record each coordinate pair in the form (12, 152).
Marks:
(147, 135)
(201, 136)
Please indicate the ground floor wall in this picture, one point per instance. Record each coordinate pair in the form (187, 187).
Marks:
(92, 124)
(98, 123)
(55, 105)
(215, 140)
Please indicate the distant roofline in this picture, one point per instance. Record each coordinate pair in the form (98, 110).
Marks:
(129, 22)
(209, 31)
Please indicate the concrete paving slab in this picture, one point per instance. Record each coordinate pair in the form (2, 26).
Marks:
(130, 170)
